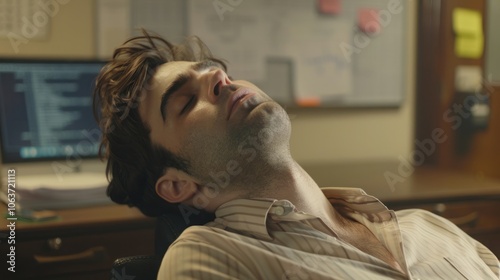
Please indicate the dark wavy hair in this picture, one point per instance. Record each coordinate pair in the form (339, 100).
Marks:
(134, 164)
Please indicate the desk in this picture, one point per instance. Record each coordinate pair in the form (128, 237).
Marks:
(81, 244)
(423, 184)
(470, 201)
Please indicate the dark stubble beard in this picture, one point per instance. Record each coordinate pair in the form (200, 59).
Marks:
(242, 159)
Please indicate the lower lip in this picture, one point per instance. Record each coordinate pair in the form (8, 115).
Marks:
(239, 102)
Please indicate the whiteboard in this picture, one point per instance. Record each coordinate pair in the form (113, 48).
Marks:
(296, 50)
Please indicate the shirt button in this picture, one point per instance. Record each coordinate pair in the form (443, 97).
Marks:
(279, 211)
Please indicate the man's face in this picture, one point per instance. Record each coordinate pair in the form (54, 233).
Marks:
(195, 111)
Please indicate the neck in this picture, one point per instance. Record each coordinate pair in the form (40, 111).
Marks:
(289, 181)
(286, 179)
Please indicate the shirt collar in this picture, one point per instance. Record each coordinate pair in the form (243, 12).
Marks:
(355, 200)
(250, 215)
(247, 215)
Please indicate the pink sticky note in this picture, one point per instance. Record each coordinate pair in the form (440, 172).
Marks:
(331, 7)
(368, 20)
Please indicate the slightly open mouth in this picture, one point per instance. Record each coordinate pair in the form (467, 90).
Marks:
(240, 98)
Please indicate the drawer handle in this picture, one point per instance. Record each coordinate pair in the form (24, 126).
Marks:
(94, 254)
(467, 220)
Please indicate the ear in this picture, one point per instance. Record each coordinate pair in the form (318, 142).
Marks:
(176, 186)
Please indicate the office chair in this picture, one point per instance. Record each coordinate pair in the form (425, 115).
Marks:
(168, 228)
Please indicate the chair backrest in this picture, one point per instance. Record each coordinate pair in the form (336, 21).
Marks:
(136, 267)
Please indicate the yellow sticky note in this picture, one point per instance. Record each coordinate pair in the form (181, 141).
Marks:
(468, 27)
(466, 21)
(469, 47)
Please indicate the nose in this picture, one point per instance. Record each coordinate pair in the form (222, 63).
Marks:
(217, 80)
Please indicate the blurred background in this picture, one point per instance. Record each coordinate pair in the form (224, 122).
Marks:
(359, 114)
(92, 29)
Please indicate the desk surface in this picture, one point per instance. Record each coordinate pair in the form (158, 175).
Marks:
(96, 218)
(423, 183)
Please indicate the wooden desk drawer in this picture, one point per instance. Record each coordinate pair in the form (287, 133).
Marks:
(79, 254)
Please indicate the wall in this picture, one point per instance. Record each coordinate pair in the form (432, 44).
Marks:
(317, 136)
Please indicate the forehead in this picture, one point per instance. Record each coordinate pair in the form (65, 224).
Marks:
(164, 75)
(171, 69)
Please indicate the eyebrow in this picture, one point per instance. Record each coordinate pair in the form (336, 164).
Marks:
(180, 81)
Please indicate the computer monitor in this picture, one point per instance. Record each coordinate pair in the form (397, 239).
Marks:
(46, 110)
(49, 137)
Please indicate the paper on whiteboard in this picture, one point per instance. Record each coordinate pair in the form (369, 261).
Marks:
(233, 35)
(320, 68)
(251, 31)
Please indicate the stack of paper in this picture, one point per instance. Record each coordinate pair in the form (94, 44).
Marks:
(49, 191)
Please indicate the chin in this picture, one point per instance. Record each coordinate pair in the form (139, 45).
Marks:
(270, 115)
(269, 109)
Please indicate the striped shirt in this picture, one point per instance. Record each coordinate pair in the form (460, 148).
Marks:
(271, 239)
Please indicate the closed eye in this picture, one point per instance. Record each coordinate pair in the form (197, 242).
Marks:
(188, 105)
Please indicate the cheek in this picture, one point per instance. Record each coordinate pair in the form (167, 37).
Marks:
(202, 122)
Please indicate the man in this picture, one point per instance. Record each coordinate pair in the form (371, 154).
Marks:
(181, 135)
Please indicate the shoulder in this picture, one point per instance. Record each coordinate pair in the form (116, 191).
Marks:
(429, 235)
(201, 251)
(197, 237)
(418, 221)
(196, 233)
(422, 217)
(208, 237)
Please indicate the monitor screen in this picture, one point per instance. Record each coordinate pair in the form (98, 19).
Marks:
(46, 110)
